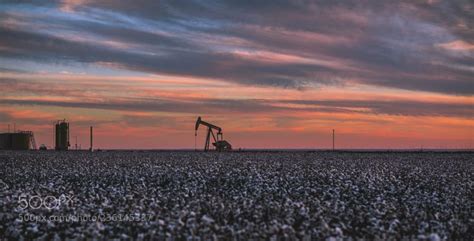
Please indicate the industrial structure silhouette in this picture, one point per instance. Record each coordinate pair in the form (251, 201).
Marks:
(219, 143)
(61, 131)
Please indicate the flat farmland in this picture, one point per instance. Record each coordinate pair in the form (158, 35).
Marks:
(144, 195)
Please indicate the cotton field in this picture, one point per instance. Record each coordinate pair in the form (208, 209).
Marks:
(236, 196)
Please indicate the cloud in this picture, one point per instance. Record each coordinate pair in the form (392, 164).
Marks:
(5, 117)
(156, 105)
(224, 66)
(235, 106)
(10, 70)
(457, 45)
(382, 43)
(69, 5)
(396, 107)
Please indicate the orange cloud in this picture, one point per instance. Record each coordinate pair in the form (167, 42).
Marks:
(70, 5)
(457, 45)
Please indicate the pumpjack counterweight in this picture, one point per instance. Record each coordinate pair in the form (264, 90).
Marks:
(219, 143)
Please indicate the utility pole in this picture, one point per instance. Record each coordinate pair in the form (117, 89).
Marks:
(76, 143)
(333, 139)
(8, 128)
(90, 149)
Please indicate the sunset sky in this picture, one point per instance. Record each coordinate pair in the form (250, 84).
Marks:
(273, 74)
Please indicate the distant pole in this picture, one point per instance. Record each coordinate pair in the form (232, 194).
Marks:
(333, 139)
(90, 149)
(76, 143)
(14, 127)
(8, 128)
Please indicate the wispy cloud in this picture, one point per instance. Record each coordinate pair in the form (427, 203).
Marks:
(378, 43)
(233, 106)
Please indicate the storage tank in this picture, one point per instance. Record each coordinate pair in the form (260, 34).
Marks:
(15, 141)
(62, 135)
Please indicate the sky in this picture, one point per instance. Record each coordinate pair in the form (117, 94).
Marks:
(272, 74)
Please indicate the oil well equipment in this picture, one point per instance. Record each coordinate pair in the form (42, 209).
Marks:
(17, 140)
(61, 135)
(219, 143)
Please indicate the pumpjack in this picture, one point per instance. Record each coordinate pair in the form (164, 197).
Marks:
(219, 143)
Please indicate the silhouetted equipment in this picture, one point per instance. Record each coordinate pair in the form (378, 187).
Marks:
(91, 148)
(43, 147)
(32, 138)
(333, 139)
(20, 140)
(219, 142)
(62, 135)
